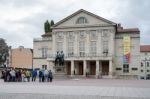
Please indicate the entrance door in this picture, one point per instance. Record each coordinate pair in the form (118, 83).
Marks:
(105, 67)
(92, 68)
(80, 68)
(69, 68)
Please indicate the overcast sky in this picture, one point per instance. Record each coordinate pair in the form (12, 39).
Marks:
(22, 20)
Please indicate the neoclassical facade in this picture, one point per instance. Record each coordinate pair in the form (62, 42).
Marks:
(91, 45)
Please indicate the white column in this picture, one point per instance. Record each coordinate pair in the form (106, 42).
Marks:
(110, 68)
(84, 68)
(97, 68)
(72, 67)
(53, 44)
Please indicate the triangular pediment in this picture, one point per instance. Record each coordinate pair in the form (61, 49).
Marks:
(92, 19)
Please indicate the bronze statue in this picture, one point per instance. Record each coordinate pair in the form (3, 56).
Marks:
(59, 58)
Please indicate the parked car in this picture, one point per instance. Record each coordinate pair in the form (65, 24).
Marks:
(148, 77)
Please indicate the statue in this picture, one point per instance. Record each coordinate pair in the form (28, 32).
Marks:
(59, 58)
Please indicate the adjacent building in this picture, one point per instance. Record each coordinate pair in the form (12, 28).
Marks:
(21, 57)
(145, 60)
(91, 45)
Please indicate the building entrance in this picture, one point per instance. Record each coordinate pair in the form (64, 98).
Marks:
(105, 67)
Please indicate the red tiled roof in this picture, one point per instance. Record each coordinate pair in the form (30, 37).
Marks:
(145, 48)
(120, 30)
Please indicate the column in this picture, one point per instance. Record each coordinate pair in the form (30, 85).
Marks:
(53, 44)
(84, 68)
(72, 67)
(97, 69)
(110, 68)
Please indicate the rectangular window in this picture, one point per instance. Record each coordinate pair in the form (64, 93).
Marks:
(93, 35)
(70, 49)
(82, 34)
(44, 52)
(134, 68)
(118, 68)
(82, 48)
(44, 67)
(59, 46)
(93, 48)
(126, 68)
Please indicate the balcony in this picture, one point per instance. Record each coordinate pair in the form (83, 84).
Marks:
(87, 56)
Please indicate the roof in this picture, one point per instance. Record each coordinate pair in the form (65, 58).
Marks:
(145, 48)
(47, 34)
(120, 29)
(135, 30)
(79, 11)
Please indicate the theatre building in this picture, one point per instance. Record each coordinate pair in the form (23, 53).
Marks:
(91, 45)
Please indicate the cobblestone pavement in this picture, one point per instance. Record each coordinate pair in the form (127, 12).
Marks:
(77, 89)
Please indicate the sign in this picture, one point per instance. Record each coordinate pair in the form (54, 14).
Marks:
(126, 49)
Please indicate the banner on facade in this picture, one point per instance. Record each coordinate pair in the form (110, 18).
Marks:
(126, 49)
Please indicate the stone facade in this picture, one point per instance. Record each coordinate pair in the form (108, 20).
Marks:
(92, 46)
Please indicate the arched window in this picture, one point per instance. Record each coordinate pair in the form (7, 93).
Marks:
(81, 20)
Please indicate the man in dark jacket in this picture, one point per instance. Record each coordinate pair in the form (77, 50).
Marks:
(50, 76)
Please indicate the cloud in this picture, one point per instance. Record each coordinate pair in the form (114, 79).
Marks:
(21, 21)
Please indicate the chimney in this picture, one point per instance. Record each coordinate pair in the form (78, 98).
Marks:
(119, 26)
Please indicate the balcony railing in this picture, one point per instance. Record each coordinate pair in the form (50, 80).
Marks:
(85, 55)
(42, 39)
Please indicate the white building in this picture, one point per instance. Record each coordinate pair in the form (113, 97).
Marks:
(91, 44)
(145, 60)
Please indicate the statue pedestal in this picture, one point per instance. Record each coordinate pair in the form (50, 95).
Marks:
(59, 69)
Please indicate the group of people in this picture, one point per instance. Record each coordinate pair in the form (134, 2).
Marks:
(24, 75)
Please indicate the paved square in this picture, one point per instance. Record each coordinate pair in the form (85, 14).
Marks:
(77, 89)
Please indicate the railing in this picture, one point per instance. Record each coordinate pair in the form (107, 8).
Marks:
(42, 39)
(80, 55)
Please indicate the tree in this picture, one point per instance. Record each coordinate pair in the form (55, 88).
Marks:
(52, 23)
(3, 52)
(47, 26)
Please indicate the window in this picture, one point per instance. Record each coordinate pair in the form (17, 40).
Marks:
(70, 34)
(118, 68)
(141, 64)
(93, 48)
(59, 46)
(44, 52)
(59, 34)
(82, 48)
(141, 70)
(82, 34)
(134, 69)
(44, 67)
(126, 68)
(93, 35)
(105, 42)
(145, 53)
(147, 64)
(147, 70)
(70, 49)
(81, 20)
